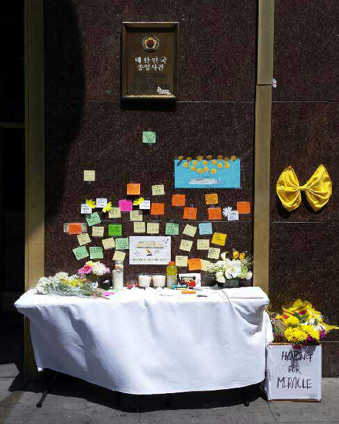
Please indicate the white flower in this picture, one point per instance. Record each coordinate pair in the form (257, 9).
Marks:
(40, 287)
(221, 279)
(61, 275)
(226, 211)
(219, 274)
(249, 275)
(233, 270)
(220, 264)
(223, 256)
(99, 268)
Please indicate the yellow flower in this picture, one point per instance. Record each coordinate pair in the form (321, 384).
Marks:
(108, 207)
(138, 201)
(311, 332)
(195, 162)
(213, 171)
(200, 157)
(235, 254)
(219, 165)
(292, 321)
(242, 256)
(189, 159)
(233, 157)
(199, 170)
(226, 159)
(193, 168)
(209, 157)
(295, 335)
(206, 169)
(185, 165)
(214, 162)
(227, 165)
(91, 203)
(205, 162)
(180, 157)
(219, 156)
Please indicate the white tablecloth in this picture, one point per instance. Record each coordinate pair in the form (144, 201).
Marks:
(146, 342)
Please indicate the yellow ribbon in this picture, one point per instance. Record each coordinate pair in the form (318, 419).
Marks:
(318, 189)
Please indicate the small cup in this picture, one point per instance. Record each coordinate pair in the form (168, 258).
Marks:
(144, 280)
(159, 280)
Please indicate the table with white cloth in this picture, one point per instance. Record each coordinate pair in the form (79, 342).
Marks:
(153, 341)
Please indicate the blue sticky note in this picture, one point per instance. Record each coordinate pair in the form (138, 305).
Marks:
(205, 228)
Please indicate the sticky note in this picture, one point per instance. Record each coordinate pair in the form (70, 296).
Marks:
(149, 137)
(211, 199)
(125, 205)
(244, 207)
(75, 228)
(158, 190)
(205, 265)
(80, 252)
(153, 228)
(119, 256)
(96, 253)
(93, 219)
(157, 208)
(121, 243)
(186, 245)
(101, 202)
(108, 243)
(135, 215)
(219, 239)
(190, 230)
(233, 216)
(83, 239)
(133, 189)
(146, 205)
(190, 213)
(97, 231)
(194, 264)
(139, 227)
(89, 175)
(213, 253)
(181, 261)
(203, 244)
(85, 209)
(172, 229)
(114, 229)
(214, 214)
(114, 213)
(178, 200)
(205, 228)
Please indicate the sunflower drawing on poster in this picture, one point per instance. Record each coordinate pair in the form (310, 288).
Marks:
(207, 172)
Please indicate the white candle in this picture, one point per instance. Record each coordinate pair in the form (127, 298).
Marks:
(144, 280)
(159, 280)
(118, 279)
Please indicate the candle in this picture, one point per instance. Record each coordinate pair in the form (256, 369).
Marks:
(144, 280)
(118, 279)
(159, 280)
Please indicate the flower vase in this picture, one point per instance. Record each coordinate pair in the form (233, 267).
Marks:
(234, 282)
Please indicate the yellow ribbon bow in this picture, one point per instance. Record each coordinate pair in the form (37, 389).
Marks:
(318, 189)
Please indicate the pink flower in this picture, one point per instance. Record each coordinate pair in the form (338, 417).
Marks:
(85, 270)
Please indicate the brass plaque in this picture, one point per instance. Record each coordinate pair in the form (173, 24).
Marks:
(149, 60)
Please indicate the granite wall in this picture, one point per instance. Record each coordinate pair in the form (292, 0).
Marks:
(305, 127)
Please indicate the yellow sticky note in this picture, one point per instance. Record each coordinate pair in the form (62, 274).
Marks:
(108, 243)
(203, 244)
(83, 239)
(205, 265)
(213, 253)
(89, 175)
(97, 231)
(135, 215)
(190, 230)
(119, 256)
(158, 190)
(139, 227)
(186, 245)
(219, 239)
(153, 228)
(181, 261)
(114, 213)
(211, 199)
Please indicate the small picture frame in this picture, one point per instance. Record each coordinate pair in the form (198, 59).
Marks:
(184, 278)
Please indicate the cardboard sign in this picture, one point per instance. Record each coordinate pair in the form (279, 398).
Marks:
(190, 230)
(108, 243)
(74, 228)
(190, 213)
(89, 175)
(158, 209)
(211, 199)
(181, 261)
(178, 200)
(194, 264)
(219, 239)
(133, 189)
(244, 207)
(115, 230)
(80, 252)
(214, 214)
(172, 229)
(158, 190)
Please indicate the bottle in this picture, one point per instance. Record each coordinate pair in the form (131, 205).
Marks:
(118, 276)
(171, 273)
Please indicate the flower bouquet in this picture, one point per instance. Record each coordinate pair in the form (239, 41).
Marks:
(62, 284)
(228, 272)
(93, 271)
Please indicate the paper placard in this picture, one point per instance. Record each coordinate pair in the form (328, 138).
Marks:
(214, 214)
(100, 202)
(83, 239)
(244, 207)
(125, 205)
(135, 215)
(158, 190)
(98, 231)
(96, 253)
(85, 209)
(83, 227)
(74, 228)
(150, 250)
(205, 265)
(108, 243)
(194, 264)
(190, 213)
(119, 256)
(219, 239)
(115, 230)
(205, 228)
(181, 261)
(153, 228)
(114, 213)
(139, 227)
(203, 244)
(211, 199)
(133, 189)
(186, 245)
(233, 216)
(145, 205)
(93, 219)
(157, 208)
(190, 230)
(80, 252)
(213, 253)
(89, 175)
(172, 229)
(178, 200)
(149, 137)
(121, 243)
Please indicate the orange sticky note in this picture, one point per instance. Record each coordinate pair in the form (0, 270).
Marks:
(214, 214)
(244, 207)
(178, 200)
(211, 199)
(133, 189)
(75, 228)
(157, 208)
(190, 213)
(194, 264)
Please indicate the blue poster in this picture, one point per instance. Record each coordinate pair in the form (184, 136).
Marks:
(216, 173)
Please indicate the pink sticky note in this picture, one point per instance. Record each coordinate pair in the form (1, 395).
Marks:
(125, 205)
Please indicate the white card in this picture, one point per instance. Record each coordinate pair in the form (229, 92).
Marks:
(101, 202)
(146, 204)
(233, 216)
(85, 209)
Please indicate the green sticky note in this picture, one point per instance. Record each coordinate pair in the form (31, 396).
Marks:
(172, 229)
(121, 243)
(80, 252)
(96, 253)
(149, 137)
(115, 230)
(93, 219)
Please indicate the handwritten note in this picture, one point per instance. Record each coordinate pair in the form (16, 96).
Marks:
(119, 256)
(178, 200)
(158, 209)
(121, 243)
(108, 243)
(158, 190)
(213, 253)
(80, 252)
(190, 213)
(89, 175)
(75, 228)
(181, 261)
(125, 205)
(96, 253)
(98, 231)
(133, 189)
(115, 230)
(205, 228)
(219, 239)
(233, 216)
(93, 219)
(214, 214)
(139, 227)
(83, 239)
(186, 245)
(203, 244)
(85, 209)
(190, 230)
(172, 229)
(244, 207)
(114, 213)
(153, 228)
(101, 202)
(149, 137)
(135, 215)
(211, 199)
(145, 205)
(205, 265)
(194, 264)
